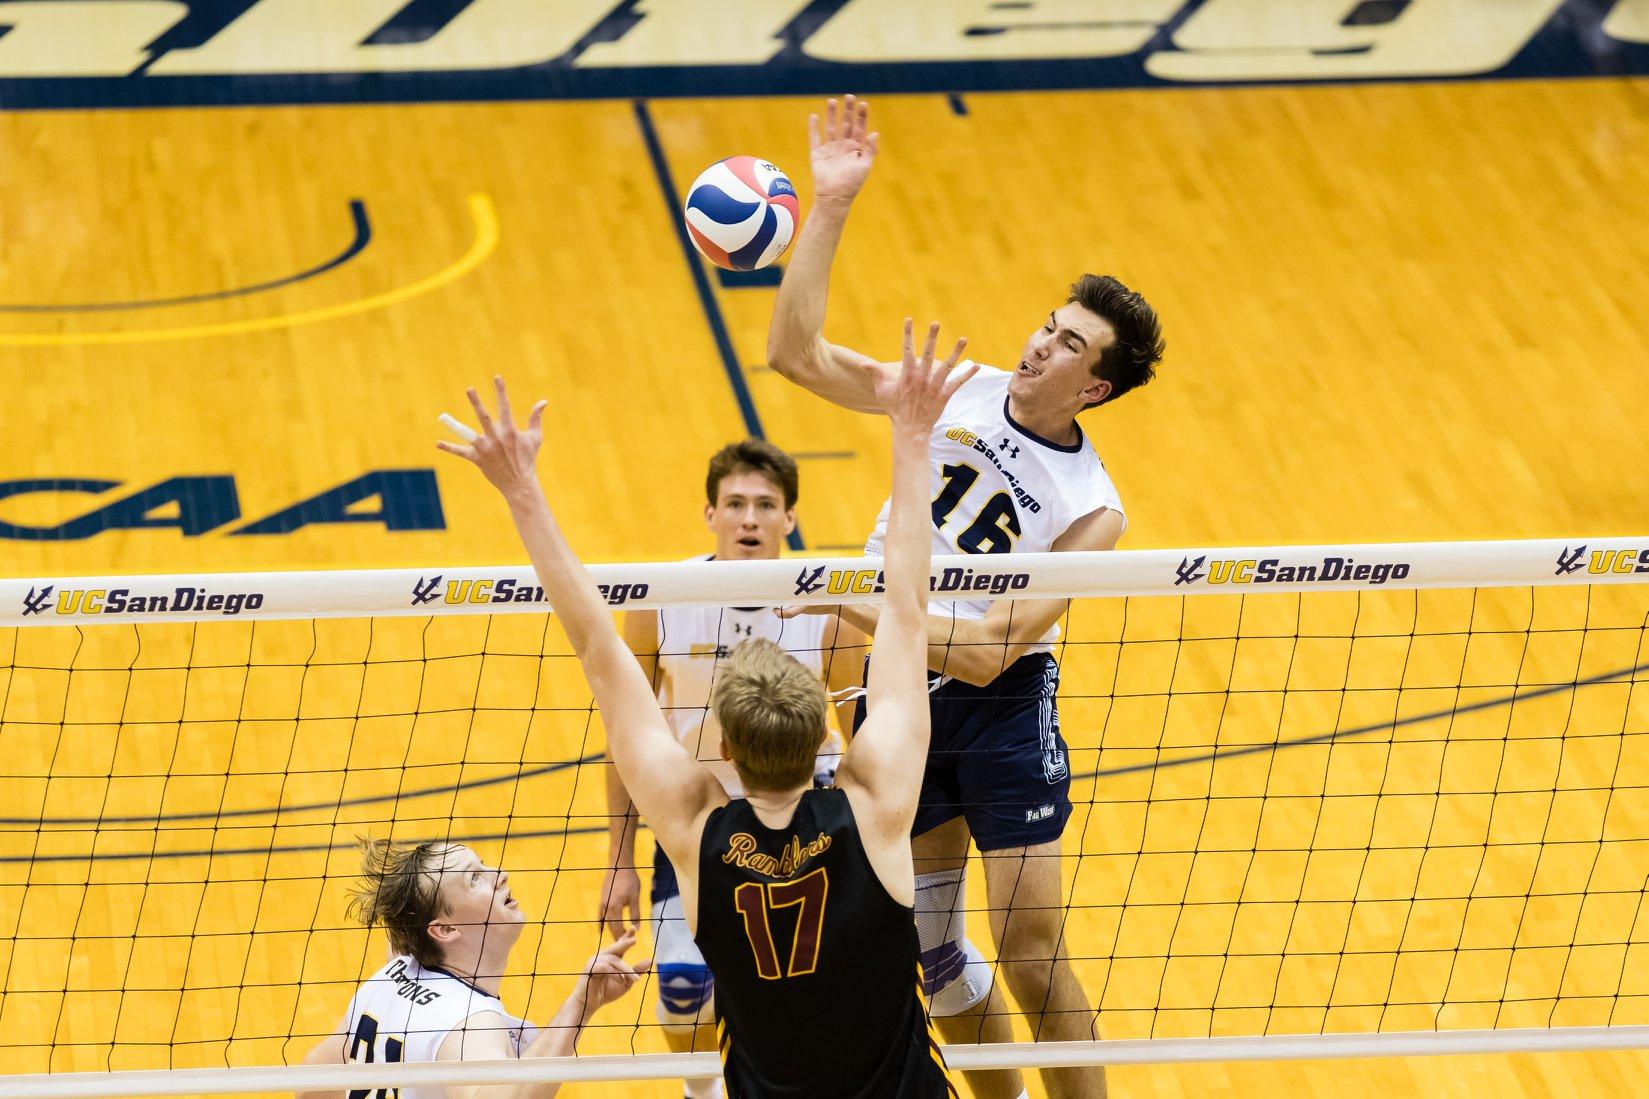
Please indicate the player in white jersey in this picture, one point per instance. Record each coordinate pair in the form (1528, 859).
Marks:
(1011, 472)
(750, 500)
(452, 922)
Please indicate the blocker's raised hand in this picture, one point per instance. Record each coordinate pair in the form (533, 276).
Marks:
(506, 454)
(915, 394)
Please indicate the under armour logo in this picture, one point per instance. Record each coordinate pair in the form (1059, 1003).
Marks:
(809, 582)
(1189, 571)
(1570, 560)
(745, 628)
(35, 602)
(1005, 445)
(424, 591)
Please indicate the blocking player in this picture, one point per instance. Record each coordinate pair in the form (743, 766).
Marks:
(799, 898)
(1012, 471)
(750, 505)
(452, 921)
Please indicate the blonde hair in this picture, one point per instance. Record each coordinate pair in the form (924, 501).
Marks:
(772, 715)
(400, 891)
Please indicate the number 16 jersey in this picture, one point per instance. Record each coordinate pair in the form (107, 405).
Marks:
(998, 487)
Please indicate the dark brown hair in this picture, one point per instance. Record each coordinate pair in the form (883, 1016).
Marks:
(772, 715)
(400, 891)
(753, 456)
(1131, 360)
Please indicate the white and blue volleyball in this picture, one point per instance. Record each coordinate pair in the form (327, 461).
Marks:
(741, 213)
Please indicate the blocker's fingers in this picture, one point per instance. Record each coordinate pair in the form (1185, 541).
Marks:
(535, 418)
(456, 448)
(504, 415)
(812, 131)
(458, 427)
(909, 348)
(932, 342)
(956, 353)
(830, 120)
(481, 412)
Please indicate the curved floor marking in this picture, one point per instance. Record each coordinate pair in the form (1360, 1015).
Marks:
(1179, 761)
(486, 239)
(363, 237)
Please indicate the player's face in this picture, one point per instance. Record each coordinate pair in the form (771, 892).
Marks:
(1060, 357)
(477, 897)
(749, 518)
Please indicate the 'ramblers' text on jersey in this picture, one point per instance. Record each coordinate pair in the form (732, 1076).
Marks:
(999, 487)
(692, 643)
(403, 1013)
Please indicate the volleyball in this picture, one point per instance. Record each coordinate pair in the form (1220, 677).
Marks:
(741, 213)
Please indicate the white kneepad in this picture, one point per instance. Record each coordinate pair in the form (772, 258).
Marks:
(684, 982)
(955, 975)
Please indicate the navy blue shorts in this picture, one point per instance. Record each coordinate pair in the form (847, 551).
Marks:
(997, 758)
(665, 885)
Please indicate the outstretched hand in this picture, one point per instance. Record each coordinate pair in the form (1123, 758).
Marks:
(843, 151)
(607, 976)
(915, 394)
(506, 454)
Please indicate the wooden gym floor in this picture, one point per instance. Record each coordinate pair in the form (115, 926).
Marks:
(1394, 312)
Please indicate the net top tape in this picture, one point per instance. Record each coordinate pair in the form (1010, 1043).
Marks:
(198, 597)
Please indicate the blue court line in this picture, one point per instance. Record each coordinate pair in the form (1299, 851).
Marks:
(707, 296)
(296, 848)
(1178, 761)
(1361, 730)
(363, 237)
(762, 278)
(371, 799)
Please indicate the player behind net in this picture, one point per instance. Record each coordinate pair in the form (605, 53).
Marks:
(452, 921)
(751, 488)
(1012, 472)
(800, 899)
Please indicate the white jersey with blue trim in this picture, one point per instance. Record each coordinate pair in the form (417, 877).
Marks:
(692, 643)
(403, 1013)
(999, 487)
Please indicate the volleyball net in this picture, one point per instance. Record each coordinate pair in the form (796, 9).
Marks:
(1329, 801)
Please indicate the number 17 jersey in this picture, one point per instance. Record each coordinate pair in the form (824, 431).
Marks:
(997, 486)
(818, 978)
